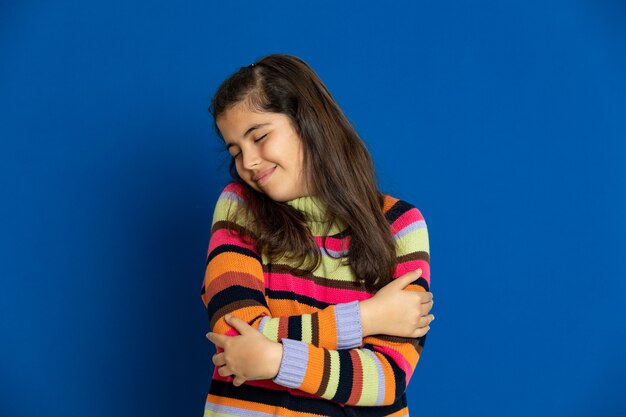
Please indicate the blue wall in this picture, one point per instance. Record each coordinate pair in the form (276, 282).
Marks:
(504, 122)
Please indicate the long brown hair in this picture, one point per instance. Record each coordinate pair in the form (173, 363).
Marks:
(337, 167)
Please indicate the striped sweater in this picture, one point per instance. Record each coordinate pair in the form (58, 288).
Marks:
(328, 368)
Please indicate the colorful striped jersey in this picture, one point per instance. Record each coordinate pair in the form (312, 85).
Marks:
(328, 368)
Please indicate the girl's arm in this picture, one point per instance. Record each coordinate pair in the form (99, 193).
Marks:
(378, 373)
(234, 284)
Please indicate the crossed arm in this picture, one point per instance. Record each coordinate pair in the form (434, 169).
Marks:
(375, 374)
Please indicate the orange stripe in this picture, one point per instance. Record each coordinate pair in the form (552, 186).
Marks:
(246, 314)
(400, 413)
(329, 335)
(390, 383)
(314, 370)
(229, 261)
(328, 338)
(415, 287)
(388, 203)
(281, 308)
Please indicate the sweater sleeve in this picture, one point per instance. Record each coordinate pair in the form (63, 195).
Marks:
(234, 284)
(378, 373)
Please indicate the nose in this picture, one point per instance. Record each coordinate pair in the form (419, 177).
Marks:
(250, 157)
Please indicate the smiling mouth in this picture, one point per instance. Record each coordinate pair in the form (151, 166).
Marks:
(262, 179)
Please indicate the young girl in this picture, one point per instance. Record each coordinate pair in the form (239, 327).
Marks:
(316, 283)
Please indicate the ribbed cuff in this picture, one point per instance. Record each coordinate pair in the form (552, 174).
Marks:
(293, 364)
(349, 326)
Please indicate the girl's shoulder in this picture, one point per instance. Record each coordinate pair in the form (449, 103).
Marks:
(400, 213)
(233, 190)
(232, 200)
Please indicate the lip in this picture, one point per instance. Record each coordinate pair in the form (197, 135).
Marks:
(263, 176)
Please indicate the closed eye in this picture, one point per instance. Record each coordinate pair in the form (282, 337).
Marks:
(255, 141)
(261, 138)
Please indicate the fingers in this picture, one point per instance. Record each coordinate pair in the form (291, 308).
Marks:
(238, 381)
(413, 276)
(224, 371)
(425, 321)
(423, 325)
(241, 326)
(425, 308)
(219, 360)
(425, 297)
(420, 332)
(404, 280)
(216, 338)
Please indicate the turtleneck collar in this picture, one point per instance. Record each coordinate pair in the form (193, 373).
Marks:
(313, 207)
(315, 210)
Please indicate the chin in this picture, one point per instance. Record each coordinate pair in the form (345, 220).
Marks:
(278, 197)
(274, 195)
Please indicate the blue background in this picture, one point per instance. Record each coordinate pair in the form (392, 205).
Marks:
(503, 121)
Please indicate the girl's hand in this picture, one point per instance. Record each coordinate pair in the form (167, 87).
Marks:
(395, 311)
(248, 356)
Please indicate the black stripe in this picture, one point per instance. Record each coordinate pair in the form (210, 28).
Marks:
(344, 233)
(397, 210)
(374, 411)
(232, 294)
(231, 248)
(421, 282)
(345, 376)
(294, 328)
(284, 399)
(288, 295)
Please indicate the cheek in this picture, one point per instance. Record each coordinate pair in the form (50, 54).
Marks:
(242, 172)
(238, 168)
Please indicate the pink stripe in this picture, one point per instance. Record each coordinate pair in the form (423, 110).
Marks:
(225, 237)
(234, 187)
(333, 244)
(300, 393)
(305, 287)
(410, 216)
(263, 383)
(232, 332)
(410, 266)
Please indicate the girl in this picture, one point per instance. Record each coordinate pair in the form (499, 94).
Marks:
(316, 283)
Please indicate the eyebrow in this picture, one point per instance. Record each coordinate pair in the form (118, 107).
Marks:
(250, 130)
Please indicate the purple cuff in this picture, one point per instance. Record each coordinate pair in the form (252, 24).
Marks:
(349, 327)
(293, 364)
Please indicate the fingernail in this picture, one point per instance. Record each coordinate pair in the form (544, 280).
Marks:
(227, 316)
(419, 271)
(207, 335)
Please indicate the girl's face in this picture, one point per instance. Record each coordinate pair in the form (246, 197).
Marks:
(267, 150)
